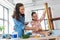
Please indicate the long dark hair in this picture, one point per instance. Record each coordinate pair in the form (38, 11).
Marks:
(16, 13)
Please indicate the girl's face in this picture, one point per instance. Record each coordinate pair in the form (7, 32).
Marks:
(21, 9)
(34, 17)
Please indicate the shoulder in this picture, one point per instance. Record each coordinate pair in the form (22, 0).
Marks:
(15, 20)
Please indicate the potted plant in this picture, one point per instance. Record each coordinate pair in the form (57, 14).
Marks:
(1, 29)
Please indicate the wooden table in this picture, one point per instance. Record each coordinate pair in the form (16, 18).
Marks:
(55, 35)
(41, 38)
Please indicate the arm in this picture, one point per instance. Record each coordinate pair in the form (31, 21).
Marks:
(43, 16)
(28, 28)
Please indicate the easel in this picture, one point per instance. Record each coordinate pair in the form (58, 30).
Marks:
(47, 12)
(49, 16)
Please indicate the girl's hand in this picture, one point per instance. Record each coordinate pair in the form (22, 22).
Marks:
(36, 29)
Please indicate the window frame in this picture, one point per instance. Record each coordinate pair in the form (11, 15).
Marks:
(3, 17)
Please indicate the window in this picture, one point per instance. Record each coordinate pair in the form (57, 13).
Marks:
(44, 23)
(5, 13)
(6, 24)
(1, 17)
(1, 23)
(1, 11)
(6, 27)
(4, 18)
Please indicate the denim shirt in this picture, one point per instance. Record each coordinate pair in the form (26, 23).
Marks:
(19, 26)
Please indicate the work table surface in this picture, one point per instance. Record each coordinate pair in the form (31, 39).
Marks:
(55, 34)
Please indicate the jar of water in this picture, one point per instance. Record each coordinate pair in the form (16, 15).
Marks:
(14, 34)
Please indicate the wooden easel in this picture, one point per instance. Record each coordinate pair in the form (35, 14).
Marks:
(49, 16)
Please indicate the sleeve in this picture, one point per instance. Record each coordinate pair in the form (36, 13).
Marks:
(42, 17)
(18, 24)
(29, 25)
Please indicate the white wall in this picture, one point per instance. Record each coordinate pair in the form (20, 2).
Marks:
(23, 1)
(56, 13)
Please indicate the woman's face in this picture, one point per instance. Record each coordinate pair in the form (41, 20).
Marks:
(34, 17)
(21, 9)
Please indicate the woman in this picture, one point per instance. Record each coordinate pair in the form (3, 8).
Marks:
(19, 19)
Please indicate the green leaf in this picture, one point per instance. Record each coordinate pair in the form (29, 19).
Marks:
(1, 28)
